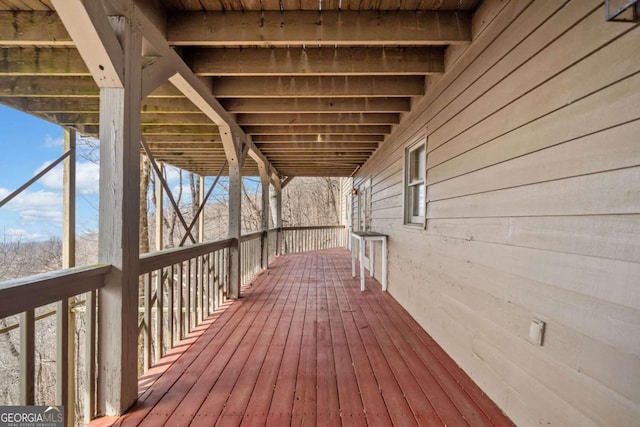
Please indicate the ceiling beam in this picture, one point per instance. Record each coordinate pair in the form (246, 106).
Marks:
(92, 105)
(267, 139)
(185, 146)
(326, 61)
(146, 118)
(317, 146)
(32, 29)
(182, 139)
(21, 61)
(65, 86)
(160, 130)
(317, 119)
(313, 28)
(317, 105)
(317, 86)
(316, 129)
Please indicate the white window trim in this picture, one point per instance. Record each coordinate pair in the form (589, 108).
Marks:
(409, 218)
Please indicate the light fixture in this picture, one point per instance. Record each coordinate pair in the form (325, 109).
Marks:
(622, 10)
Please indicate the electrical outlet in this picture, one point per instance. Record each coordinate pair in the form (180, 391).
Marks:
(536, 331)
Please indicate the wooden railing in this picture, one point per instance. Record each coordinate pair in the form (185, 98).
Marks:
(303, 239)
(272, 239)
(70, 288)
(250, 255)
(179, 288)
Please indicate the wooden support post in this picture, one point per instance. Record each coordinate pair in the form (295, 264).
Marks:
(276, 212)
(264, 179)
(159, 211)
(235, 221)
(65, 369)
(119, 229)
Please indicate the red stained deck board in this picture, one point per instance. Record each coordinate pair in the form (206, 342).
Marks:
(442, 366)
(305, 347)
(205, 379)
(372, 401)
(283, 352)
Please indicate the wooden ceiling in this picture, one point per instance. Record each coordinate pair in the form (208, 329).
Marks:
(317, 85)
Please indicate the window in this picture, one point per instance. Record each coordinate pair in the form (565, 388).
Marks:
(415, 183)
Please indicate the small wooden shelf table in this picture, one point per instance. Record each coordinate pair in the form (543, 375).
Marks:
(363, 237)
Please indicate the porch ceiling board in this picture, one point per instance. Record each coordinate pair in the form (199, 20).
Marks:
(328, 27)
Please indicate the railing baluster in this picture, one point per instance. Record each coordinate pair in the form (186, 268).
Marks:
(180, 300)
(160, 277)
(147, 322)
(171, 308)
(187, 312)
(90, 357)
(62, 353)
(201, 291)
(27, 357)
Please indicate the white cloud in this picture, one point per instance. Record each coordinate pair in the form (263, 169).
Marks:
(36, 207)
(87, 178)
(173, 175)
(50, 141)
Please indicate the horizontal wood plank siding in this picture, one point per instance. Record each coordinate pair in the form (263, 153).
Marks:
(533, 210)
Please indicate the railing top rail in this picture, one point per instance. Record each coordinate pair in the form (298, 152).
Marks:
(156, 260)
(315, 227)
(250, 236)
(31, 292)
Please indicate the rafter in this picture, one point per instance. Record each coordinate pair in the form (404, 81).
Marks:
(319, 105)
(66, 87)
(289, 28)
(326, 61)
(267, 139)
(92, 105)
(317, 129)
(32, 29)
(317, 86)
(313, 119)
(162, 130)
(147, 118)
(22, 61)
(276, 147)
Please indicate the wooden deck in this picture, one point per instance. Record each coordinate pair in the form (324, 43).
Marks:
(306, 347)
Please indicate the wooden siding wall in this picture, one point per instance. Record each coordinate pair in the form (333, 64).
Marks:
(534, 210)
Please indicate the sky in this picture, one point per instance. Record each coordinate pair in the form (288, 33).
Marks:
(28, 145)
